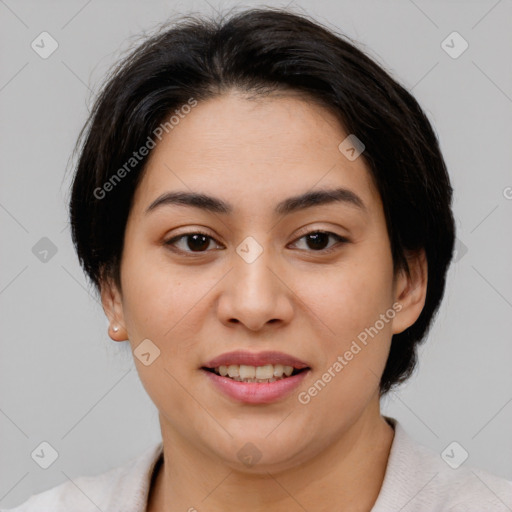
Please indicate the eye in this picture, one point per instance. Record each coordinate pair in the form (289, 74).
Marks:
(318, 240)
(196, 242)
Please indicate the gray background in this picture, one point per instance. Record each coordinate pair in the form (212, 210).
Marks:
(65, 382)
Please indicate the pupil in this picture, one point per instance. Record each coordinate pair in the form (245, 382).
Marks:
(320, 240)
(195, 245)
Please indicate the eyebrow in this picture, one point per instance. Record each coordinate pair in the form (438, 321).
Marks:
(286, 207)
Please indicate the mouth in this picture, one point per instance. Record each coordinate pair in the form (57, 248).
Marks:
(261, 374)
(263, 367)
(256, 377)
(240, 385)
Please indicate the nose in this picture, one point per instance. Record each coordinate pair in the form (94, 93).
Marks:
(254, 294)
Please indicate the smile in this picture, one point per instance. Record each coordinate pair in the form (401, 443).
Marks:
(262, 374)
(251, 390)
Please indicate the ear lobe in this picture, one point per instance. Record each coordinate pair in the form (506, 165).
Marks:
(111, 301)
(411, 291)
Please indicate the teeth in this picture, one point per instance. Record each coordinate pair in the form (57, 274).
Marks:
(278, 370)
(265, 372)
(247, 373)
(234, 370)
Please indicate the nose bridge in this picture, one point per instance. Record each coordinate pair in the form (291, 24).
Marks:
(252, 272)
(255, 294)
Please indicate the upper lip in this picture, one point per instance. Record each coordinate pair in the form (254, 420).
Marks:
(255, 359)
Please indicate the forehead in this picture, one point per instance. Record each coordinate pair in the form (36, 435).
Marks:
(253, 152)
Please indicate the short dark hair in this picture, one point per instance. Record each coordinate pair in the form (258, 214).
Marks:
(260, 51)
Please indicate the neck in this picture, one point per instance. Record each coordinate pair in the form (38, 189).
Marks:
(348, 475)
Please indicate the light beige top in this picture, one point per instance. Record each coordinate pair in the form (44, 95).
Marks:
(417, 479)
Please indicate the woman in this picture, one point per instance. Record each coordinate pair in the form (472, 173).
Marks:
(266, 215)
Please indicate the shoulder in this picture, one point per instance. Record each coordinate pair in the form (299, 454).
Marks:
(419, 479)
(123, 488)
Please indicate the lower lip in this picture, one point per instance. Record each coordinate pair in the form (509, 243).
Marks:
(256, 392)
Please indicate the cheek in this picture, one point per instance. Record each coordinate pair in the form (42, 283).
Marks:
(352, 295)
(161, 305)
(354, 345)
(348, 301)
(155, 296)
(166, 304)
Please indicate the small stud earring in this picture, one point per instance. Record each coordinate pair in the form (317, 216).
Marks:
(115, 328)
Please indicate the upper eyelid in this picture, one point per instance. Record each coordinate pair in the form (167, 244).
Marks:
(340, 238)
(176, 238)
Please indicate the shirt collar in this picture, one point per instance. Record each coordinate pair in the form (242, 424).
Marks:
(132, 490)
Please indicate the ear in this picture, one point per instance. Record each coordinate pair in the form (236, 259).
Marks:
(113, 307)
(411, 291)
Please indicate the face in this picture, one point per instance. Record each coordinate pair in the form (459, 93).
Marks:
(308, 279)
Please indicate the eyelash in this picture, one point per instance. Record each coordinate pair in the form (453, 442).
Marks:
(340, 240)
